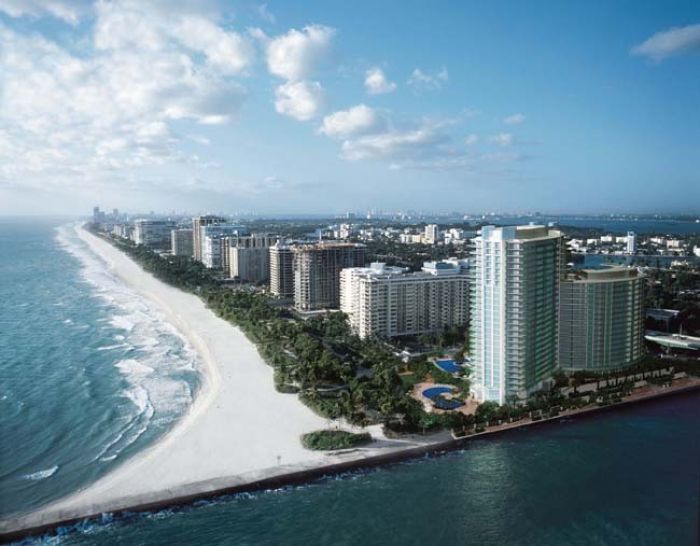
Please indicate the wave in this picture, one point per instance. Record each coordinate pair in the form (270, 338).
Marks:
(41, 474)
(156, 364)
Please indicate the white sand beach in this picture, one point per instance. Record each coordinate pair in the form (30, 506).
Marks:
(238, 430)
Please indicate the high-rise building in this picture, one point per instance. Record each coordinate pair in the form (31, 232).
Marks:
(388, 302)
(198, 222)
(631, 242)
(153, 233)
(431, 234)
(601, 319)
(181, 242)
(317, 272)
(281, 271)
(249, 258)
(214, 243)
(514, 308)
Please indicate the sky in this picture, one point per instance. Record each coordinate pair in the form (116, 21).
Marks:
(324, 107)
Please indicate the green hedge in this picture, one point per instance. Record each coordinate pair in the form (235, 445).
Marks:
(334, 439)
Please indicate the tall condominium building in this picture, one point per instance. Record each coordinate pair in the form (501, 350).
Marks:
(431, 234)
(514, 307)
(198, 222)
(631, 242)
(282, 271)
(181, 242)
(388, 302)
(317, 272)
(601, 319)
(214, 247)
(249, 257)
(153, 233)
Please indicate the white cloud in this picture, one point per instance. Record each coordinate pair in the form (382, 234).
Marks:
(83, 116)
(502, 139)
(301, 100)
(376, 82)
(471, 139)
(422, 80)
(515, 119)
(69, 11)
(345, 123)
(424, 140)
(296, 54)
(668, 43)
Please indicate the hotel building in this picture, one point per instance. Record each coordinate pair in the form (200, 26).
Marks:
(516, 272)
(249, 258)
(181, 242)
(153, 234)
(317, 269)
(198, 222)
(388, 302)
(601, 319)
(214, 243)
(281, 271)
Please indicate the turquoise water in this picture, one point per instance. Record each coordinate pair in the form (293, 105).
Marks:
(89, 372)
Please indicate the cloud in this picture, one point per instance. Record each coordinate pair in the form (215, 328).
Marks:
(295, 55)
(423, 81)
(344, 123)
(424, 140)
(300, 100)
(471, 139)
(265, 14)
(515, 119)
(69, 11)
(376, 82)
(674, 41)
(111, 107)
(502, 139)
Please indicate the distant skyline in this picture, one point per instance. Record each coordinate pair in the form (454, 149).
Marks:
(284, 108)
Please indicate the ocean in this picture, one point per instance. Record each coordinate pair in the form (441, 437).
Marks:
(91, 374)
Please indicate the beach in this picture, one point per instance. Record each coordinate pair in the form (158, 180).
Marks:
(238, 430)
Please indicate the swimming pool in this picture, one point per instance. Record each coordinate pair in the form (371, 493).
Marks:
(434, 392)
(448, 365)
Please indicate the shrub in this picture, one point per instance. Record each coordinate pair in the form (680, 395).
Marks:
(334, 439)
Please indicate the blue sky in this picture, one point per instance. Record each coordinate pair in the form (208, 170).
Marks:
(327, 106)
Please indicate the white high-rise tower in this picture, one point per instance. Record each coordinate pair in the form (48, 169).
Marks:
(514, 310)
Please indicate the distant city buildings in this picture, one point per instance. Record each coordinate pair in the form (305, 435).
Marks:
(317, 269)
(631, 242)
(181, 242)
(516, 275)
(389, 301)
(601, 319)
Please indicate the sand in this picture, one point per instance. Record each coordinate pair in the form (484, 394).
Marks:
(239, 429)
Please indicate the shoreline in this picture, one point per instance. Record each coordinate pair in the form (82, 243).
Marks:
(231, 485)
(237, 427)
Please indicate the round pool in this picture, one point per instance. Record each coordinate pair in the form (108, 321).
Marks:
(434, 392)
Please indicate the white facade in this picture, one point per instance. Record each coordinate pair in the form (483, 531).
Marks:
(249, 258)
(631, 242)
(213, 245)
(431, 234)
(514, 309)
(388, 302)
